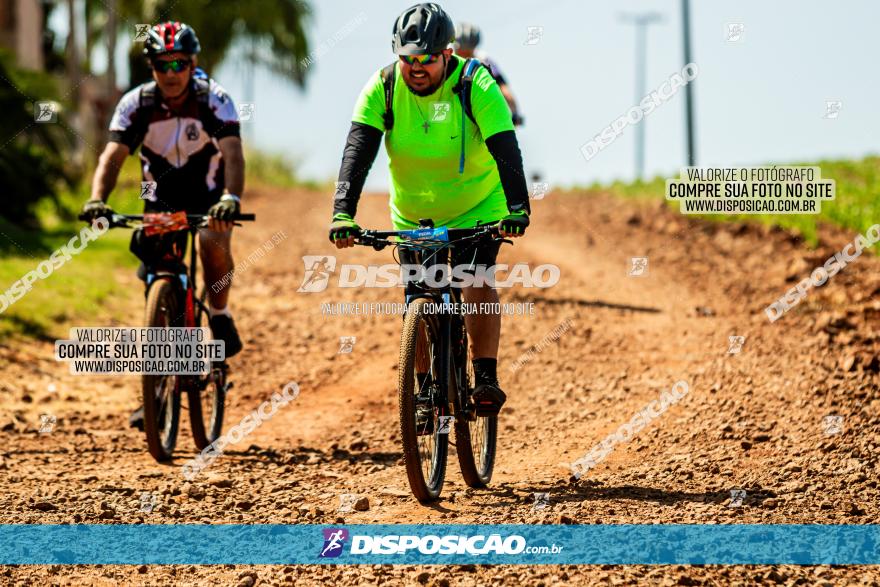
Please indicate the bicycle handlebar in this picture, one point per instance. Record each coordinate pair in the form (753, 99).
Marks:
(119, 220)
(378, 239)
(453, 232)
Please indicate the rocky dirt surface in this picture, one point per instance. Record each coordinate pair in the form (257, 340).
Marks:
(792, 419)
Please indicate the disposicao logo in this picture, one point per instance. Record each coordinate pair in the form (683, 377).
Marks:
(334, 542)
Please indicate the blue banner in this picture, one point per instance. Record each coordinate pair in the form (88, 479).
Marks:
(440, 544)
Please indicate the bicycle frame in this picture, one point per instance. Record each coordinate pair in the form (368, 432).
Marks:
(444, 294)
(170, 283)
(187, 280)
(180, 273)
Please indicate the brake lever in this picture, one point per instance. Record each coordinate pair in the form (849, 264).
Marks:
(371, 241)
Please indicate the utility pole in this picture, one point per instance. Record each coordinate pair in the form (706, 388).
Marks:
(642, 22)
(689, 88)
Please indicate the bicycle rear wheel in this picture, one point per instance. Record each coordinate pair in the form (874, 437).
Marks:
(425, 450)
(161, 393)
(475, 437)
(209, 401)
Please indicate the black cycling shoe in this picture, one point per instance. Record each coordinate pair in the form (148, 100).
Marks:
(136, 420)
(488, 399)
(223, 328)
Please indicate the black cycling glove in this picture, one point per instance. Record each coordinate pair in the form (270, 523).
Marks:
(94, 209)
(226, 209)
(515, 222)
(342, 227)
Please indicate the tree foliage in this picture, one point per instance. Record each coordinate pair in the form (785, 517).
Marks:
(276, 29)
(32, 155)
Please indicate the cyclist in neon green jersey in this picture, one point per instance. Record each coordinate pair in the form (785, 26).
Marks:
(453, 158)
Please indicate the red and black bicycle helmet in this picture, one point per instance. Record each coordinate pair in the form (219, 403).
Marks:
(171, 37)
(422, 29)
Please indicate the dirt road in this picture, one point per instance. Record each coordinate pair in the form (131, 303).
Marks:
(763, 420)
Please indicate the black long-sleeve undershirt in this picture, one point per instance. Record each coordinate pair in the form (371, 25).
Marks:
(505, 150)
(362, 146)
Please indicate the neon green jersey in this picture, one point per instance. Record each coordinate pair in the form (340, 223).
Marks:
(424, 148)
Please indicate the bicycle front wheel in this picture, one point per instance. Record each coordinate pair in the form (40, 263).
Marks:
(425, 442)
(161, 393)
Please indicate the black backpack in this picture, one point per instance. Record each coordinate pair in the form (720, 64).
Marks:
(462, 89)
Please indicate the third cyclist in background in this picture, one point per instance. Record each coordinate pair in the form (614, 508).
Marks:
(467, 39)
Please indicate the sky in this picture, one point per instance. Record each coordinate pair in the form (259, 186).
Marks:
(759, 99)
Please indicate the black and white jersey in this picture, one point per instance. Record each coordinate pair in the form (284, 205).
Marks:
(179, 150)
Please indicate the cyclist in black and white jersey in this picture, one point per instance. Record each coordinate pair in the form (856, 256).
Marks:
(188, 132)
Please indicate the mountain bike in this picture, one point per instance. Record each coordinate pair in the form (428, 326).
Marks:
(172, 301)
(435, 375)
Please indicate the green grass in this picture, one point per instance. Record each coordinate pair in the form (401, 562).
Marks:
(85, 287)
(856, 206)
(73, 293)
(96, 286)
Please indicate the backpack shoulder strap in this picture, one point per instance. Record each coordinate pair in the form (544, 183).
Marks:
(463, 89)
(464, 85)
(148, 95)
(389, 75)
(203, 89)
(147, 104)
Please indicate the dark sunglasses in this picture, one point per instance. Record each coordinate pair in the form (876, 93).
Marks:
(423, 59)
(175, 65)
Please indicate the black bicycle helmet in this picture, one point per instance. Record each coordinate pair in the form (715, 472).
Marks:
(421, 30)
(467, 36)
(171, 37)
